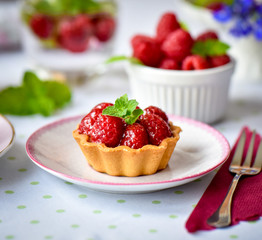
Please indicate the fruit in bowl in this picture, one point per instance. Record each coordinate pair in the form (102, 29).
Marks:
(123, 140)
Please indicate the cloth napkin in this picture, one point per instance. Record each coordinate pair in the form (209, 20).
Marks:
(247, 199)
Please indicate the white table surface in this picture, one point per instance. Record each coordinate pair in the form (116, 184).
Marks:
(36, 205)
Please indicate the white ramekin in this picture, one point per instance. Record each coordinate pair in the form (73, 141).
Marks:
(199, 94)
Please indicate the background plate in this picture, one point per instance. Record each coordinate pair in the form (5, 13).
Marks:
(200, 150)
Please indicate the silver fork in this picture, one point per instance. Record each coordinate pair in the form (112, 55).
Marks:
(222, 217)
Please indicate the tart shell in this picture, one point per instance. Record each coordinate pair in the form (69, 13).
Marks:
(125, 161)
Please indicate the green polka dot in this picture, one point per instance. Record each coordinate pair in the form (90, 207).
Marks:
(22, 170)
(75, 226)
(233, 236)
(172, 216)
(112, 226)
(194, 205)
(82, 196)
(21, 207)
(152, 230)
(197, 180)
(21, 136)
(252, 222)
(11, 158)
(136, 215)
(9, 192)
(10, 237)
(34, 183)
(1, 178)
(68, 183)
(48, 237)
(97, 211)
(156, 202)
(60, 210)
(178, 192)
(34, 222)
(47, 196)
(0, 220)
(121, 201)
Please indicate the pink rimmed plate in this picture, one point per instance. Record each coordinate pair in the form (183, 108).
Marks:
(7, 135)
(200, 150)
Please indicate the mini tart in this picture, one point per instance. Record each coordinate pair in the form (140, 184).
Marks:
(125, 161)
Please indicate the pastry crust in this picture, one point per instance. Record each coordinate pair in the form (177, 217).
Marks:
(125, 161)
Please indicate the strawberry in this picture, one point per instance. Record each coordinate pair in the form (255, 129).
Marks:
(156, 127)
(42, 25)
(74, 33)
(89, 120)
(137, 39)
(108, 130)
(207, 35)
(135, 136)
(178, 45)
(148, 52)
(167, 24)
(157, 111)
(194, 62)
(168, 63)
(217, 61)
(104, 27)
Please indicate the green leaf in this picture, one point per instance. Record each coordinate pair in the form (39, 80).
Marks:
(210, 47)
(125, 109)
(123, 58)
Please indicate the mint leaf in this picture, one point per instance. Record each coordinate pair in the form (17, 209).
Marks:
(210, 47)
(125, 109)
(123, 58)
(34, 96)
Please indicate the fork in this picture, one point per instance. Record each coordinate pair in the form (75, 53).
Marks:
(222, 216)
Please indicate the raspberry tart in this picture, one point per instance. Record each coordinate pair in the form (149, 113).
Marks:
(124, 140)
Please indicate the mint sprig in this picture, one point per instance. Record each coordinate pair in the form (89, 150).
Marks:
(123, 58)
(210, 47)
(125, 109)
(34, 97)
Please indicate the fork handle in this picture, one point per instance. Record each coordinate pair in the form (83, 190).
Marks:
(222, 217)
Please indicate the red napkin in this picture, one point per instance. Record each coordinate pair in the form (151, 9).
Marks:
(247, 199)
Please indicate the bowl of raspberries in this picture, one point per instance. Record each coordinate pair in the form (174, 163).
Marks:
(121, 139)
(183, 75)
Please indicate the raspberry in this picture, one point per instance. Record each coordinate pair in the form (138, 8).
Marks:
(156, 127)
(104, 28)
(157, 111)
(42, 25)
(217, 61)
(148, 52)
(194, 62)
(216, 6)
(168, 63)
(89, 120)
(167, 24)
(135, 136)
(108, 130)
(207, 35)
(178, 45)
(74, 33)
(137, 39)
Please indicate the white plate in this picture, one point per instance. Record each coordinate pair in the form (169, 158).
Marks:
(200, 150)
(7, 135)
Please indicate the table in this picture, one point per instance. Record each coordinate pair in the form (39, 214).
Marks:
(36, 205)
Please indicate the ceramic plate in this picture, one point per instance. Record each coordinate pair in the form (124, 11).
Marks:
(7, 134)
(200, 150)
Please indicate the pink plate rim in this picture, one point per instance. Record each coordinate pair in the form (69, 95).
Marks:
(221, 139)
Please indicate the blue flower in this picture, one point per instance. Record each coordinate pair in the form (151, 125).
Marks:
(224, 14)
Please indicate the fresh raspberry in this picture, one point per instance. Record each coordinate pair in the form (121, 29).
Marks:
(178, 44)
(104, 27)
(42, 25)
(194, 62)
(157, 111)
(217, 61)
(137, 39)
(168, 63)
(74, 33)
(167, 24)
(108, 130)
(89, 120)
(156, 127)
(148, 52)
(135, 136)
(207, 35)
